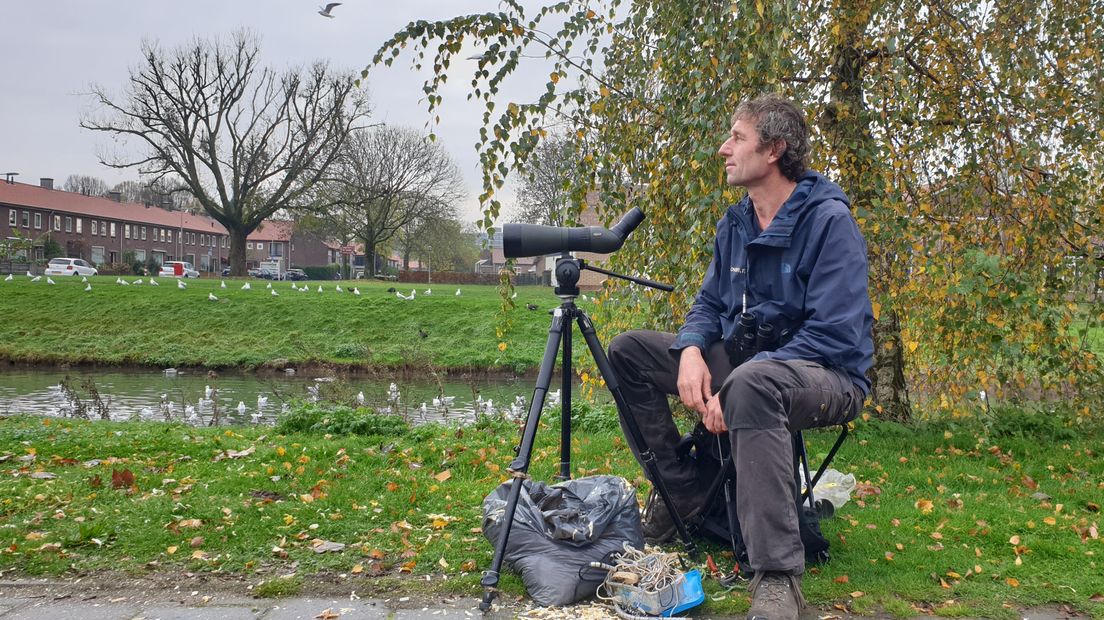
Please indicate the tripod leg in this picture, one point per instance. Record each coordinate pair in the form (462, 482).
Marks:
(647, 457)
(520, 465)
(565, 399)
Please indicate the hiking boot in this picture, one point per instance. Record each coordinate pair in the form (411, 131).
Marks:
(656, 520)
(775, 596)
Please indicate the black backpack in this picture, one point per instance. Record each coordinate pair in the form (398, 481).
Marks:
(702, 446)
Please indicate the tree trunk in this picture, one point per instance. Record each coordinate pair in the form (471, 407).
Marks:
(845, 125)
(370, 258)
(237, 252)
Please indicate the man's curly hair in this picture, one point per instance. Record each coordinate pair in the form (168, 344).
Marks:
(777, 119)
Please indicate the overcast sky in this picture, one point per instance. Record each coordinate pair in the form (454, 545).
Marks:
(52, 50)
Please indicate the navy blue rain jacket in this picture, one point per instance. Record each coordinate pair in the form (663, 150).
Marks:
(807, 270)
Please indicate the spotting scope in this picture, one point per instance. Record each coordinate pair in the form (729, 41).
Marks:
(535, 240)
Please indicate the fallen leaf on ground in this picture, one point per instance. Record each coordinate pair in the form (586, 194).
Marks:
(324, 546)
(443, 476)
(122, 479)
(1012, 581)
(328, 615)
(842, 579)
(235, 454)
(924, 506)
(43, 475)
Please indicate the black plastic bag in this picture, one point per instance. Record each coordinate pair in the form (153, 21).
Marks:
(558, 530)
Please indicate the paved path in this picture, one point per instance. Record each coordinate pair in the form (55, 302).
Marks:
(49, 600)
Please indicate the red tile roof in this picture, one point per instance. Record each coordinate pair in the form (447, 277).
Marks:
(34, 196)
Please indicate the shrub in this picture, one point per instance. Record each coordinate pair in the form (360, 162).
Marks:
(340, 420)
(325, 272)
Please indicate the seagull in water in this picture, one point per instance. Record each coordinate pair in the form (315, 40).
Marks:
(360, 398)
(241, 407)
(324, 11)
(262, 401)
(207, 392)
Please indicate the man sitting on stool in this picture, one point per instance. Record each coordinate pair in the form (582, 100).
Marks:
(790, 254)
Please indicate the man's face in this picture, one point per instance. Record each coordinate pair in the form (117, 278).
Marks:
(746, 163)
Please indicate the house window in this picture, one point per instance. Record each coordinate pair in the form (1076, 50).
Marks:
(68, 224)
(143, 233)
(112, 229)
(93, 227)
(168, 233)
(260, 246)
(126, 231)
(13, 217)
(38, 220)
(162, 234)
(57, 223)
(140, 255)
(26, 219)
(249, 245)
(80, 225)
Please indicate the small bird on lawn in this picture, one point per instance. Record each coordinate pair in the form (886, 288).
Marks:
(338, 287)
(124, 282)
(9, 278)
(222, 283)
(531, 306)
(211, 297)
(457, 292)
(83, 279)
(319, 288)
(390, 289)
(246, 286)
(36, 278)
(401, 296)
(514, 296)
(269, 285)
(180, 284)
(274, 293)
(87, 287)
(138, 281)
(324, 11)
(423, 333)
(50, 280)
(30, 275)
(154, 282)
(428, 291)
(356, 291)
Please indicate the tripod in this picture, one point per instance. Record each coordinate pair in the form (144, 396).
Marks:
(567, 272)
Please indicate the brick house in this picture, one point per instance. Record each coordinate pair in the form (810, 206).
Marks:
(101, 230)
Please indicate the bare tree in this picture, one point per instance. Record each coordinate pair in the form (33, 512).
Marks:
(157, 193)
(544, 196)
(244, 140)
(85, 185)
(387, 178)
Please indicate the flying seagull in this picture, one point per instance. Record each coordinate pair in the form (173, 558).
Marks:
(325, 10)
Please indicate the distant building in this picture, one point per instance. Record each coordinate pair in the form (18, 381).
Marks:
(101, 230)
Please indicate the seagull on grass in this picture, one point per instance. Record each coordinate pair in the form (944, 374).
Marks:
(274, 293)
(87, 287)
(428, 291)
(222, 283)
(457, 292)
(36, 278)
(246, 287)
(401, 296)
(324, 11)
(83, 279)
(138, 281)
(356, 291)
(154, 282)
(211, 297)
(338, 287)
(269, 285)
(50, 280)
(30, 275)
(319, 288)
(180, 284)
(10, 276)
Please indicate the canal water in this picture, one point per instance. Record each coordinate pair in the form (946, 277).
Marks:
(196, 396)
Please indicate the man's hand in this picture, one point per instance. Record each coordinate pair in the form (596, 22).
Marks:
(713, 418)
(693, 380)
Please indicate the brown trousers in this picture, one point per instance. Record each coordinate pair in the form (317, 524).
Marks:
(763, 403)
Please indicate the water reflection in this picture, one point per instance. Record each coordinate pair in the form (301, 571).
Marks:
(197, 397)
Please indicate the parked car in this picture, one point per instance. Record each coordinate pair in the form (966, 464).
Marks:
(177, 269)
(69, 267)
(295, 274)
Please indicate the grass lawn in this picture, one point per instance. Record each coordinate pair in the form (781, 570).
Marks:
(952, 520)
(166, 326)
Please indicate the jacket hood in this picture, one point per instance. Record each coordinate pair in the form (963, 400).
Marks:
(812, 190)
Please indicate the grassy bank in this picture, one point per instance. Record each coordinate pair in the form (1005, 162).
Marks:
(951, 520)
(166, 326)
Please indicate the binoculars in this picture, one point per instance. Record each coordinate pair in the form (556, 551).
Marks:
(751, 337)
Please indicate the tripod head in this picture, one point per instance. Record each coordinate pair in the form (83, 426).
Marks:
(568, 269)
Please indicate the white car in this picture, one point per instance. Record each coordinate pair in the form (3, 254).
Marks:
(177, 269)
(69, 267)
